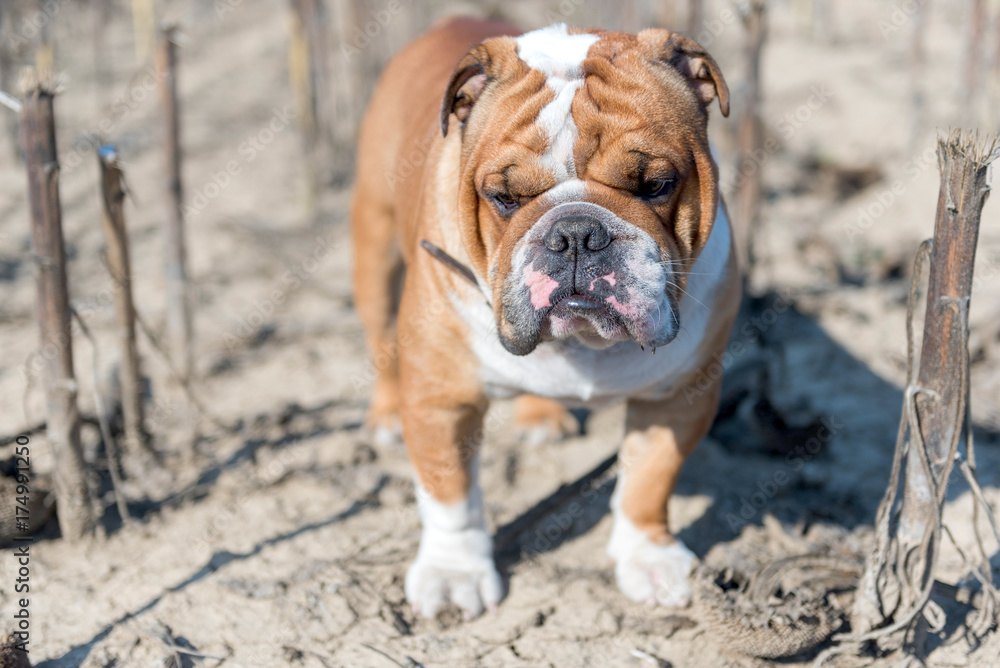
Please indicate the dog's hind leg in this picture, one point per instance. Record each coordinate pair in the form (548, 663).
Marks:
(540, 420)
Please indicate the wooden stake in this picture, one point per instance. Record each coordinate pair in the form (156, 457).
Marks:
(696, 17)
(964, 163)
(994, 106)
(822, 20)
(749, 172)
(305, 72)
(10, 53)
(144, 30)
(899, 573)
(119, 264)
(666, 15)
(73, 499)
(179, 323)
(973, 59)
(348, 81)
(314, 17)
(101, 16)
(45, 54)
(918, 60)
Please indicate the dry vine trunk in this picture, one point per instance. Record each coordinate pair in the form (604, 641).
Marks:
(73, 499)
(179, 320)
(973, 59)
(918, 68)
(307, 61)
(120, 266)
(899, 575)
(695, 17)
(751, 138)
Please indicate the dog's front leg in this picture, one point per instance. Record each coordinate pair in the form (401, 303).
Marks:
(442, 411)
(651, 565)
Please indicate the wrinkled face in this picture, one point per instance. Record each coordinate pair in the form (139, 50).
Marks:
(588, 188)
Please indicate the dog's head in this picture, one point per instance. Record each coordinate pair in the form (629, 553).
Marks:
(587, 184)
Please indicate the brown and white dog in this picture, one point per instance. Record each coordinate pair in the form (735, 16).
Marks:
(568, 175)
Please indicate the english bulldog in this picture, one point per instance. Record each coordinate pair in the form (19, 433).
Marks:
(538, 214)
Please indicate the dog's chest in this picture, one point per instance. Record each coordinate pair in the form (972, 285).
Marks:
(573, 373)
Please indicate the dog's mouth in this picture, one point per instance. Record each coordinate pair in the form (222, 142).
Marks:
(593, 322)
(582, 305)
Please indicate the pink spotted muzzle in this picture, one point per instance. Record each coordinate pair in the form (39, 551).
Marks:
(583, 271)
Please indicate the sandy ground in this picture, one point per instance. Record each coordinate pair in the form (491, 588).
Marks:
(284, 541)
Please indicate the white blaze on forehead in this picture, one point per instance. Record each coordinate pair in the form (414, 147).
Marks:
(555, 52)
(559, 56)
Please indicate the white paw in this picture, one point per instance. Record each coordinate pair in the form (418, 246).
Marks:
(657, 575)
(455, 560)
(648, 572)
(468, 580)
(387, 436)
(386, 431)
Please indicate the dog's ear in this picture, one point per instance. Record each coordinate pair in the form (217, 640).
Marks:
(477, 69)
(690, 59)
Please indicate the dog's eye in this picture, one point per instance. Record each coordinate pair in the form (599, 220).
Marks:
(655, 188)
(505, 203)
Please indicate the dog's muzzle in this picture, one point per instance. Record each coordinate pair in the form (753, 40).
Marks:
(582, 270)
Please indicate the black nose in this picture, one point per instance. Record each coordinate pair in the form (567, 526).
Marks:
(576, 234)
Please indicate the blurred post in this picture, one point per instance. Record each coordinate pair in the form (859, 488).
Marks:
(73, 499)
(301, 52)
(179, 325)
(822, 20)
(918, 60)
(143, 30)
(666, 14)
(45, 55)
(119, 264)
(695, 17)
(101, 16)
(315, 20)
(994, 105)
(973, 61)
(751, 138)
(354, 55)
(12, 48)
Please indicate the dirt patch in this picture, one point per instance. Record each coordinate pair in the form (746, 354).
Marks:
(283, 541)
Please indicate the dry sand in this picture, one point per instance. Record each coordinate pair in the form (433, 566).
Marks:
(285, 543)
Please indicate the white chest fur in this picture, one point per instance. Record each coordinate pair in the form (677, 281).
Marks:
(572, 372)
